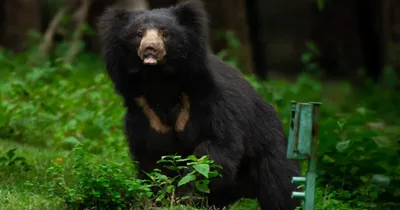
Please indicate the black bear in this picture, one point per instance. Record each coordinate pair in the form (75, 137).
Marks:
(182, 99)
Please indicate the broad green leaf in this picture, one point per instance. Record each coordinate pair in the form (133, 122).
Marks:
(380, 179)
(96, 193)
(186, 179)
(202, 169)
(170, 188)
(202, 186)
(71, 140)
(192, 158)
(213, 174)
(342, 146)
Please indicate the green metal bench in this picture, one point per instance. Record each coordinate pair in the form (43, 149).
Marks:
(302, 145)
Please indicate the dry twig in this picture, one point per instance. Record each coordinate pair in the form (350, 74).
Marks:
(81, 17)
(45, 46)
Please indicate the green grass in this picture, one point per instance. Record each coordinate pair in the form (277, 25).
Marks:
(53, 108)
(15, 192)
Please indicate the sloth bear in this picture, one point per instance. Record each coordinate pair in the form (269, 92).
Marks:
(180, 98)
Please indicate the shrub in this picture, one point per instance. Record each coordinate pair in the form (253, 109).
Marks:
(90, 184)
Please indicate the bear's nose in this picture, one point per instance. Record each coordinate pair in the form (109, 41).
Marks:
(152, 45)
(149, 51)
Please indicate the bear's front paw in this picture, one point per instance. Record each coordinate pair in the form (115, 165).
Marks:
(186, 195)
(186, 190)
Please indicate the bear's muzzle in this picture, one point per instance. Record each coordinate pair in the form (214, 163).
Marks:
(152, 48)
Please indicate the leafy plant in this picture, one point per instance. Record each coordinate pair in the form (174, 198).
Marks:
(233, 54)
(308, 59)
(87, 184)
(90, 184)
(190, 170)
(9, 159)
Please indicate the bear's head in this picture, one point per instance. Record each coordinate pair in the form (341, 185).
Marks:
(156, 37)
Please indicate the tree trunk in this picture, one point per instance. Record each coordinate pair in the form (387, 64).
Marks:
(231, 15)
(257, 31)
(2, 26)
(20, 16)
(336, 33)
(370, 27)
(391, 31)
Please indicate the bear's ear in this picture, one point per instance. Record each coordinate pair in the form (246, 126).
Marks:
(113, 20)
(192, 15)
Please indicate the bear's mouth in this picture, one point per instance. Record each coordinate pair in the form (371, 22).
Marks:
(150, 60)
(150, 57)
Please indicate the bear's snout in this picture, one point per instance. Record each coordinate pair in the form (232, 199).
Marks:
(152, 48)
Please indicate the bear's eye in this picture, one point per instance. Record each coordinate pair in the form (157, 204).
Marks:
(139, 34)
(165, 34)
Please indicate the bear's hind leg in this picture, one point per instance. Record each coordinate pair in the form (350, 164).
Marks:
(275, 186)
(223, 199)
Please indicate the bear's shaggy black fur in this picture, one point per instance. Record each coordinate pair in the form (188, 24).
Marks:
(224, 117)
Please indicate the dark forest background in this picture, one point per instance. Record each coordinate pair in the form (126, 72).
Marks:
(349, 34)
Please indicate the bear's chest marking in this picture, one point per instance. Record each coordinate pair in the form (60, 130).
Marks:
(155, 121)
(183, 116)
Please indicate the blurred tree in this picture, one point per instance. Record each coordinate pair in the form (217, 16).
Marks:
(2, 28)
(19, 16)
(355, 34)
(231, 15)
(391, 31)
(369, 15)
(285, 29)
(335, 32)
(257, 33)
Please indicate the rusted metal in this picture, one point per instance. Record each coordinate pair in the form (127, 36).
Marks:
(296, 135)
